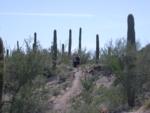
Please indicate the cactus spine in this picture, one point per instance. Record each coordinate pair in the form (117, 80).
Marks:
(35, 42)
(70, 43)
(97, 49)
(54, 50)
(1, 72)
(80, 36)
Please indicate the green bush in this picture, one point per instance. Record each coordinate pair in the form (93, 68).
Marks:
(25, 81)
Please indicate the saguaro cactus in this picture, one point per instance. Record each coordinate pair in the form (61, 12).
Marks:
(97, 48)
(70, 42)
(131, 31)
(18, 48)
(7, 53)
(130, 62)
(35, 42)
(1, 72)
(80, 38)
(54, 50)
(63, 49)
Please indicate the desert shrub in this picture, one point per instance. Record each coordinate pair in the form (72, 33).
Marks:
(84, 108)
(147, 104)
(31, 98)
(25, 80)
(113, 98)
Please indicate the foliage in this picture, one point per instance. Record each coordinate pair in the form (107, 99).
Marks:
(147, 105)
(117, 57)
(113, 98)
(25, 80)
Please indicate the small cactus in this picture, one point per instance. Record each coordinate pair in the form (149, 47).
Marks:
(97, 49)
(1, 71)
(70, 43)
(54, 50)
(80, 38)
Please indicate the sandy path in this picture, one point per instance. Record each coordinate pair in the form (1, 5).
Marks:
(62, 102)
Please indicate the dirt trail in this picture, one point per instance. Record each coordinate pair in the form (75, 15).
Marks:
(62, 102)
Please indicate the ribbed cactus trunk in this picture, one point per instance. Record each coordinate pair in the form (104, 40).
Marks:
(63, 49)
(80, 38)
(97, 49)
(54, 50)
(18, 48)
(7, 53)
(130, 61)
(62, 52)
(109, 51)
(70, 43)
(35, 42)
(131, 31)
(1, 72)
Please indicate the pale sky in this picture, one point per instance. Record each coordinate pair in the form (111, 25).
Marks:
(19, 19)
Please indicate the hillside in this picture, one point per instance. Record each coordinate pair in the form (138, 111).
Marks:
(116, 79)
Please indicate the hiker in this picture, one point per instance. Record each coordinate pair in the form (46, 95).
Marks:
(76, 60)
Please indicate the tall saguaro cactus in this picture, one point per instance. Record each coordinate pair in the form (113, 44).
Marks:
(97, 48)
(131, 31)
(18, 48)
(130, 62)
(80, 38)
(70, 43)
(1, 72)
(54, 50)
(35, 42)
(7, 53)
(63, 49)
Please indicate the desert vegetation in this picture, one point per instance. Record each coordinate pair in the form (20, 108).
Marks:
(36, 80)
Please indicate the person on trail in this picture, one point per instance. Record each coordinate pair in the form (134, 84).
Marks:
(76, 60)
